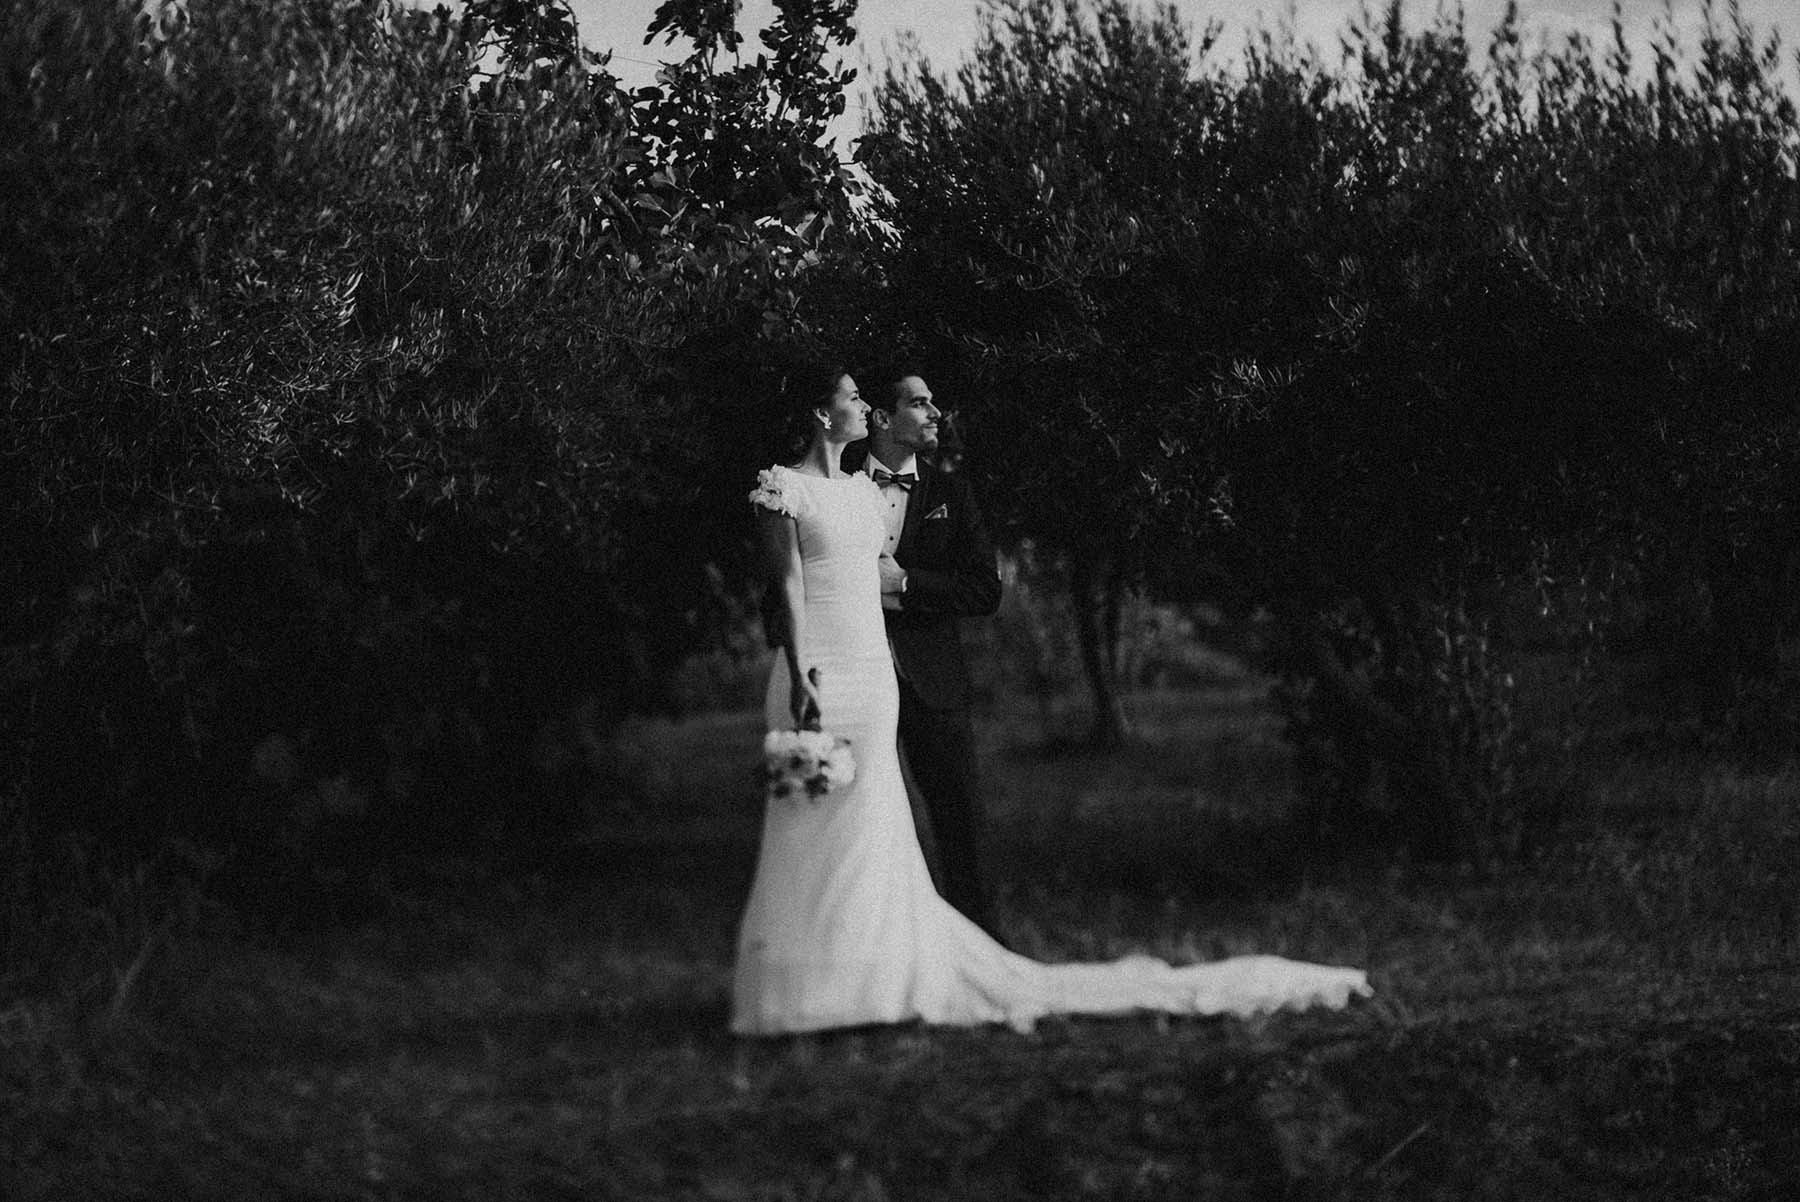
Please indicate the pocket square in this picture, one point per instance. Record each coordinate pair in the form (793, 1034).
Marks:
(942, 511)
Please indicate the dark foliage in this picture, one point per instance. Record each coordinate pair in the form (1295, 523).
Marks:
(363, 371)
(380, 385)
(1435, 360)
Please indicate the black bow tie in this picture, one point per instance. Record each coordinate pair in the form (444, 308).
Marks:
(904, 479)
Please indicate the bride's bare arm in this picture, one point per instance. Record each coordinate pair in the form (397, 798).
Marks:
(780, 540)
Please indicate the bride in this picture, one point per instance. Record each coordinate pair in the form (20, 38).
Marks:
(843, 927)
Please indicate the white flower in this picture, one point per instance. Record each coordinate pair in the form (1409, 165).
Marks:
(839, 768)
(807, 763)
(769, 495)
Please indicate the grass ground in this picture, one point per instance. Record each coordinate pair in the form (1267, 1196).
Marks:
(1617, 1020)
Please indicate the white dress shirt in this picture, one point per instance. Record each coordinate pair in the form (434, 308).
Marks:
(894, 497)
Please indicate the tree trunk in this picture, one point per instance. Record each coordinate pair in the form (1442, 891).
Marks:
(1115, 611)
(1090, 588)
(1435, 801)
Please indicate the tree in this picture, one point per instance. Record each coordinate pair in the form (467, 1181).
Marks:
(1030, 200)
(1402, 349)
(355, 381)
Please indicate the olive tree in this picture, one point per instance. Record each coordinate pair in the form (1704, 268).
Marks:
(1424, 353)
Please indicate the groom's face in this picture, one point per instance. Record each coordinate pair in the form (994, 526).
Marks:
(913, 421)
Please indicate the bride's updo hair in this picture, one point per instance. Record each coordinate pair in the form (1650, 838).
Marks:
(804, 387)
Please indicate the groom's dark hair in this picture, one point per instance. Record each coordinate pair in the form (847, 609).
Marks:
(886, 397)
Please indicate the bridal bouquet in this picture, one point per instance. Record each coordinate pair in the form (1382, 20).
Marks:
(805, 763)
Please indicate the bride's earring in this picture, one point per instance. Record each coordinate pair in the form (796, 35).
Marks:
(824, 422)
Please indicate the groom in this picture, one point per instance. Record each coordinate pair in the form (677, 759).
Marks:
(938, 567)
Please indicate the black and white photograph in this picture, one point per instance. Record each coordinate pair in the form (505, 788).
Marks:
(890, 600)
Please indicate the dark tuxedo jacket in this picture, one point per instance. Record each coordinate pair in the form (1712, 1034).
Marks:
(950, 575)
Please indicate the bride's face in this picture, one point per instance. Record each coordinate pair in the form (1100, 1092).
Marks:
(847, 412)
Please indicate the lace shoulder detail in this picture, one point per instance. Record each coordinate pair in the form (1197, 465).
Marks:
(779, 491)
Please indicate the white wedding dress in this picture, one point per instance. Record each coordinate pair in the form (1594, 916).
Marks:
(843, 926)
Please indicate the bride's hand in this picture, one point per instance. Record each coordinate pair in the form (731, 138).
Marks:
(805, 701)
(893, 576)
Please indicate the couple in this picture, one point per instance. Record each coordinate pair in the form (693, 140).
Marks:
(843, 927)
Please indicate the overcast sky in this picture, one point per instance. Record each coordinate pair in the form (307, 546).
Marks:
(946, 28)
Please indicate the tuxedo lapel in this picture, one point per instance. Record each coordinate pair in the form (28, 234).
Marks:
(918, 504)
